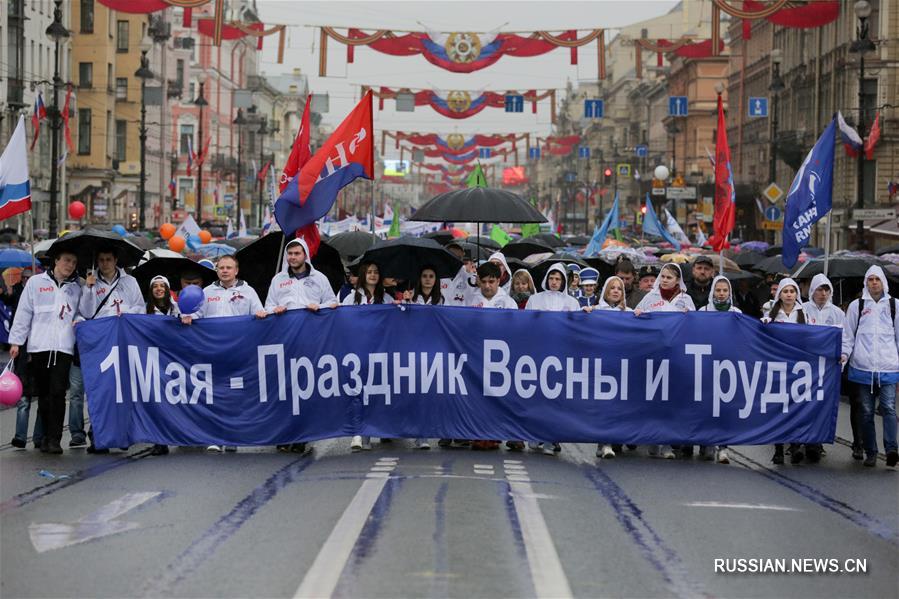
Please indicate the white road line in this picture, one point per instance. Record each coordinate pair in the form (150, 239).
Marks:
(546, 569)
(321, 579)
(743, 506)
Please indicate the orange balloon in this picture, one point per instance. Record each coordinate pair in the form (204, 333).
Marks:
(176, 243)
(205, 236)
(167, 230)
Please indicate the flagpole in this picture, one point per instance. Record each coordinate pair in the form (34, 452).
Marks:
(372, 223)
(827, 245)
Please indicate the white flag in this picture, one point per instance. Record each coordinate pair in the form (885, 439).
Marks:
(230, 232)
(674, 228)
(241, 226)
(188, 227)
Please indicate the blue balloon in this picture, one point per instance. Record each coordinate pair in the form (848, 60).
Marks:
(120, 230)
(207, 263)
(190, 299)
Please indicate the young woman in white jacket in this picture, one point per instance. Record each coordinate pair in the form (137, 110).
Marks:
(612, 297)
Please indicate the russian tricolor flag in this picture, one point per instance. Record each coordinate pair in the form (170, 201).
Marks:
(39, 114)
(15, 186)
(851, 139)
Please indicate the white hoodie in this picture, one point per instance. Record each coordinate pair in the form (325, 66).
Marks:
(364, 300)
(45, 314)
(828, 315)
(654, 302)
(500, 300)
(472, 288)
(871, 341)
(238, 300)
(710, 307)
(453, 290)
(124, 297)
(781, 316)
(296, 293)
(553, 301)
(604, 305)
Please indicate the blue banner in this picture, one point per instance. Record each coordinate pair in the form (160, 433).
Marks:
(447, 372)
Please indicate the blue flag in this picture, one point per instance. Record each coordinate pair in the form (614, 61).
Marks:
(810, 196)
(600, 233)
(652, 226)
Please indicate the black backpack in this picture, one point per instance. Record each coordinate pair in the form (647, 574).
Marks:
(861, 306)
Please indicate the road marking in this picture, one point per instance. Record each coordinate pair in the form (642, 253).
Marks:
(321, 579)
(97, 524)
(547, 573)
(743, 506)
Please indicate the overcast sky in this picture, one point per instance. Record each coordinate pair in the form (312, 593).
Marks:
(552, 70)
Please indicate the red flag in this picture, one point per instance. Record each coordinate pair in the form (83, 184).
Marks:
(65, 120)
(873, 138)
(725, 196)
(201, 157)
(39, 114)
(300, 154)
(264, 171)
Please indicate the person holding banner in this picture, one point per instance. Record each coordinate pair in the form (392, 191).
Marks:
(624, 270)
(159, 302)
(588, 298)
(427, 290)
(299, 286)
(871, 348)
(820, 310)
(613, 297)
(45, 318)
(522, 287)
(454, 290)
(505, 278)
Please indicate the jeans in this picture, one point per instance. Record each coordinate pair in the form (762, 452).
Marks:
(51, 379)
(23, 412)
(869, 395)
(856, 417)
(75, 397)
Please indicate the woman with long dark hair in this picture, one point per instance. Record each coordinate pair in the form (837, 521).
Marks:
(159, 298)
(427, 289)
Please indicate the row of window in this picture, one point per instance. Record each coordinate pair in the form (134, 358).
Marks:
(87, 25)
(84, 135)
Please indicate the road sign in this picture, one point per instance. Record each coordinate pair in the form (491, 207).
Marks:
(658, 191)
(773, 193)
(641, 151)
(677, 105)
(681, 193)
(583, 152)
(484, 153)
(594, 109)
(773, 213)
(570, 176)
(873, 213)
(772, 225)
(534, 153)
(514, 103)
(758, 107)
(623, 170)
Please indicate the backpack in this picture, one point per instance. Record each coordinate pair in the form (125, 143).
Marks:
(861, 305)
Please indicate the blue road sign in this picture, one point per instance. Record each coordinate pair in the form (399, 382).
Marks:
(583, 152)
(570, 176)
(677, 105)
(484, 153)
(594, 109)
(641, 151)
(534, 153)
(772, 213)
(514, 103)
(758, 107)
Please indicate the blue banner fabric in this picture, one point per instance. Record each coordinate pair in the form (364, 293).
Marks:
(463, 373)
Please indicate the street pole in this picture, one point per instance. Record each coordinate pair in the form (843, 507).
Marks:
(262, 131)
(201, 102)
(56, 32)
(777, 86)
(861, 45)
(239, 121)
(143, 73)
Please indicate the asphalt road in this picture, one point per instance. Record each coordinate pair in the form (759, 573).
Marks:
(446, 522)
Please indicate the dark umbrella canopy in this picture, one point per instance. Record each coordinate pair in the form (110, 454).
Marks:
(771, 265)
(404, 258)
(171, 265)
(539, 271)
(262, 259)
(352, 244)
(893, 249)
(484, 242)
(476, 253)
(549, 239)
(478, 205)
(523, 248)
(577, 240)
(142, 241)
(849, 267)
(87, 242)
(442, 237)
(748, 259)
(238, 242)
(740, 275)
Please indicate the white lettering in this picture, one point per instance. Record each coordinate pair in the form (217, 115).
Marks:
(401, 372)
(525, 377)
(769, 396)
(203, 385)
(328, 381)
(262, 352)
(455, 374)
(176, 388)
(654, 381)
(112, 361)
(697, 351)
(382, 388)
(147, 378)
(750, 386)
(352, 361)
(801, 389)
(719, 395)
(300, 391)
(573, 377)
(550, 391)
(432, 373)
(499, 367)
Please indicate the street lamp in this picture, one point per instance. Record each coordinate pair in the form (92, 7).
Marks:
(861, 45)
(239, 121)
(143, 73)
(263, 130)
(57, 33)
(201, 102)
(673, 130)
(777, 86)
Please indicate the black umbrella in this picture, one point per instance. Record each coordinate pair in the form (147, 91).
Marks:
(566, 258)
(734, 276)
(748, 259)
(771, 265)
(478, 205)
(443, 237)
(576, 240)
(262, 259)
(237, 242)
(484, 242)
(774, 250)
(476, 252)
(86, 242)
(523, 248)
(142, 241)
(404, 258)
(893, 249)
(171, 265)
(352, 244)
(838, 267)
(549, 239)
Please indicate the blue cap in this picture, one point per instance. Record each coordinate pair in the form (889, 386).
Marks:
(589, 276)
(573, 268)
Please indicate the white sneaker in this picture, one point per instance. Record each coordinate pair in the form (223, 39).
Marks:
(366, 443)
(606, 452)
(723, 458)
(534, 446)
(667, 453)
(422, 444)
(548, 449)
(213, 449)
(356, 444)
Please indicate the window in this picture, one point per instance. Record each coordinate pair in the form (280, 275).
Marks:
(179, 74)
(84, 130)
(187, 132)
(121, 140)
(121, 88)
(121, 42)
(109, 77)
(85, 74)
(190, 92)
(87, 16)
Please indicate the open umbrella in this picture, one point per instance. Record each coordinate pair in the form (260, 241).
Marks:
(740, 275)
(549, 239)
(214, 250)
(478, 205)
(539, 271)
(838, 267)
(237, 242)
(728, 263)
(476, 252)
(523, 248)
(484, 242)
(169, 264)
(771, 265)
(352, 244)
(86, 242)
(261, 259)
(403, 258)
(575, 240)
(443, 236)
(142, 241)
(893, 249)
(749, 258)
(755, 246)
(10, 256)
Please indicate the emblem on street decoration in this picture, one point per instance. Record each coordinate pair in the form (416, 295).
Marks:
(463, 47)
(458, 101)
(455, 141)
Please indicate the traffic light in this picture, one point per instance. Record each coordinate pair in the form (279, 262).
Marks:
(607, 175)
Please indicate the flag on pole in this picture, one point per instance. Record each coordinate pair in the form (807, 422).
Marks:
(190, 231)
(674, 228)
(267, 222)
(201, 157)
(810, 196)
(190, 154)
(264, 170)
(300, 154)
(500, 236)
(67, 133)
(39, 114)
(600, 233)
(725, 195)
(477, 178)
(241, 225)
(394, 225)
(652, 226)
(229, 233)
(852, 142)
(15, 185)
(872, 139)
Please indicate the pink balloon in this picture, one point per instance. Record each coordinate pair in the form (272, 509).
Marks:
(10, 388)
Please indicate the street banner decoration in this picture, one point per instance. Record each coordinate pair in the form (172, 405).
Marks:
(778, 12)
(852, 142)
(454, 143)
(38, 114)
(725, 192)
(716, 379)
(347, 155)
(684, 47)
(462, 51)
(461, 104)
(15, 184)
(810, 196)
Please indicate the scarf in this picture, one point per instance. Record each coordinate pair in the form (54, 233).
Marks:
(721, 306)
(668, 294)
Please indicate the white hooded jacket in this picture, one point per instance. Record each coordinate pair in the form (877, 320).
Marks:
(828, 315)
(472, 281)
(781, 316)
(604, 305)
(871, 339)
(296, 293)
(654, 302)
(238, 300)
(45, 315)
(710, 307)
(500, 300)
(124, 297)
(553, 301)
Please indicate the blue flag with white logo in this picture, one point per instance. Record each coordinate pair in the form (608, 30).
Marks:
(652, 226)
(810, 196)
(600, 234)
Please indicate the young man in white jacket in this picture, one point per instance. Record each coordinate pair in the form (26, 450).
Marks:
(45, 318)
(871, 347)
(819, 310)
